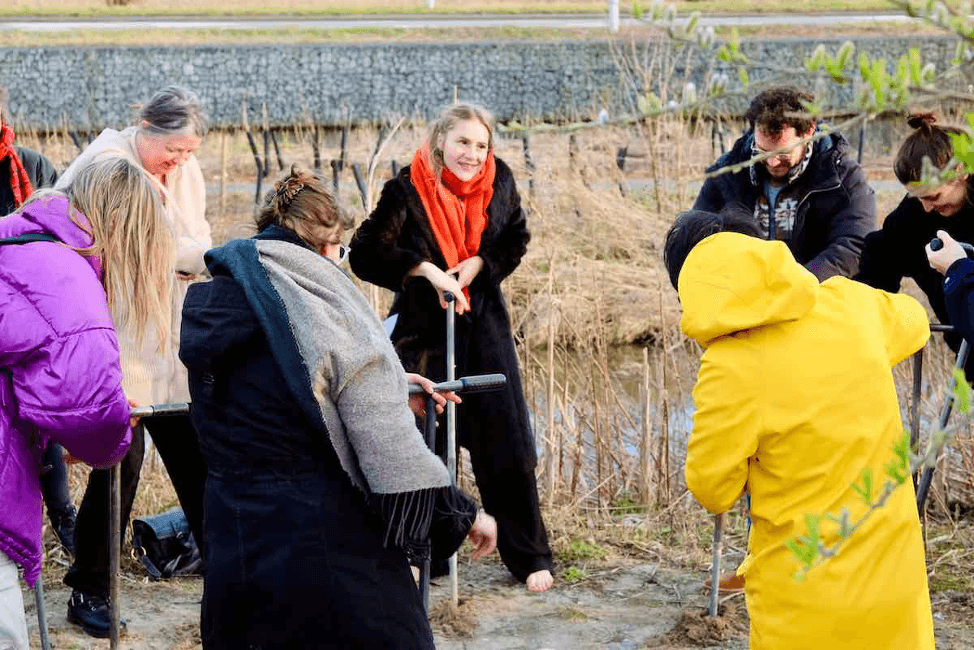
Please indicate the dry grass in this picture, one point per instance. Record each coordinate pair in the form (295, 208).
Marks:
(310, 35)
(334, 7)
(591, 284)
(300, 7)
(298, 35)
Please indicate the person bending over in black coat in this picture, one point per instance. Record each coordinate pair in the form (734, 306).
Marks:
(320, 490)
(452, 221)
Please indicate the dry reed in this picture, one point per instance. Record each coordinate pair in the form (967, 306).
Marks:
(611, 421)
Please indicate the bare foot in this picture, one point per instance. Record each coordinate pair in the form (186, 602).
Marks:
(540, 581)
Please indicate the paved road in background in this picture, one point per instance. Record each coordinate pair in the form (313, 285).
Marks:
(549, 21)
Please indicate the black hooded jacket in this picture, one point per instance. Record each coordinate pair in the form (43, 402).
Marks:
(896, 251)
(836, 209)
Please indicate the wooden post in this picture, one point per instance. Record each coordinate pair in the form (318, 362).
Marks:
(551, 450)
(223, 176)
(528, 161)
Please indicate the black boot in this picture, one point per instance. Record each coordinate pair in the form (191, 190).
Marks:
(62, 522)
(92, 615)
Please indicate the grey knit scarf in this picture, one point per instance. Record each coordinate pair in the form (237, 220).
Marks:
(357, 379)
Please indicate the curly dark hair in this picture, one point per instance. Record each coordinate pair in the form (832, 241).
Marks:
(779, 107)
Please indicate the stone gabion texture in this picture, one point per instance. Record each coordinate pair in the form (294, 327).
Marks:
(89, 88)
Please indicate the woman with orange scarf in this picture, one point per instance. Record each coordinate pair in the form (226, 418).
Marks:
(452, 221)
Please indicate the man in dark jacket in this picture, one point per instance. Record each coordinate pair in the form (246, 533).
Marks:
(812, 195)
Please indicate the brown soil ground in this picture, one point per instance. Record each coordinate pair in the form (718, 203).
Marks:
(619, 604)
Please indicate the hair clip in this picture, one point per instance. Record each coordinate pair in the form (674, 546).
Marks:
(288, 189)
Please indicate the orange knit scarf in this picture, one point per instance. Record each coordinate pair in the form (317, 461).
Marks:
(19, 180)
(456, 210)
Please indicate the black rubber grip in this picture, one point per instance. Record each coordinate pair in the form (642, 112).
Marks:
(936, 244)
(160, 409)
(471, 384)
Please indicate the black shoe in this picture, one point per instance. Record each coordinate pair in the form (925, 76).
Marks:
(63, 522)
(91, 614)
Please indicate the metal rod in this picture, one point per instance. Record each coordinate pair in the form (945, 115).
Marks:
(927, 478)
(41, 613)
(915, 403)
(718, 548)
(451, 421)
(424, 570)
(114, 552)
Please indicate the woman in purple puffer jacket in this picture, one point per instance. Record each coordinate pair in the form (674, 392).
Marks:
(59, 364)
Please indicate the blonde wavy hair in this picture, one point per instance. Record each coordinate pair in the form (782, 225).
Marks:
(449, 118)
(122, 211)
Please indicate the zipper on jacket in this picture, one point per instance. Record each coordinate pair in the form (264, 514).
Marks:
(836, 161)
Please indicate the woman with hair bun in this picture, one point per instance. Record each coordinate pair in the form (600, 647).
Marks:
(452, 221)
(170, 129)
(320, 488)
(897, 250)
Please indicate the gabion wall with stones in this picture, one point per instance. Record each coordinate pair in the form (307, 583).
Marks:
(89, 88)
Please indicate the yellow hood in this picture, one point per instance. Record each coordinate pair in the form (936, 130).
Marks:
(732, 282)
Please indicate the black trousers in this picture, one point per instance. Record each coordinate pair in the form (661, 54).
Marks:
(495, 428)
(54, 480)
(511, 497)
(508, 491)
(176, 440)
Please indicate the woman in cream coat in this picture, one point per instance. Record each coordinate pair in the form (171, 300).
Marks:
(170, 129)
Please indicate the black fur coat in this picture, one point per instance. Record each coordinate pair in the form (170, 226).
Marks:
(397, 237)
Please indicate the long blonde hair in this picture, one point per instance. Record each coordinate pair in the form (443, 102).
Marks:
(125, 217)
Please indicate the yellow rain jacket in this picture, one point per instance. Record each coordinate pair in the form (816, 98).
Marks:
(794, 398)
